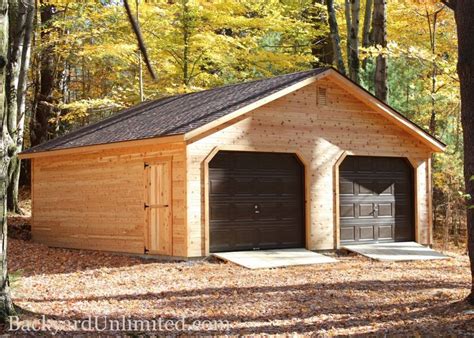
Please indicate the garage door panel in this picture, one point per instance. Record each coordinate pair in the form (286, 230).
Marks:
(385, 187)
(270, 186)
(366, 233)
(241, 211)
(366, 165)
(385, 231)
(281, 237)
(245, 237)
(266, 211)
(385, 210)
(261, 202)
(348, 233)
(347, 210)
(365, 187)
(366, 210)
(220, 212)
(346, 187)
(222, 240)
(243, 186)
(380, 208)
(219, 186)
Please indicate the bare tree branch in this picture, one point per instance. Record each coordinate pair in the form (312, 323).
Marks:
(138, 34)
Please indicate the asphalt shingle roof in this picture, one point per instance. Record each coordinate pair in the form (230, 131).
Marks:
(174, 115)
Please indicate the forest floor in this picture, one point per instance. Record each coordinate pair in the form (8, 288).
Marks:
(354, 296)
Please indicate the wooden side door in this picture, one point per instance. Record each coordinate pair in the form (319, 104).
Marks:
(158, 207)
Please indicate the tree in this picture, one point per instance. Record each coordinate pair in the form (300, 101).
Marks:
(321, 45)
(336, 38)
(14, 17)
(432, 20)
(352, 20)
(463, 13)
(380, 39)
(138, 35)
(20, 31)
(43, 103)
(366, 36)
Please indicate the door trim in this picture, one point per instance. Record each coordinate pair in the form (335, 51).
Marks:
(344, 154)
(259, 149)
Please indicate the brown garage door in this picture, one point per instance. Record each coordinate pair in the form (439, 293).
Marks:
(375, 200)
(256, 201)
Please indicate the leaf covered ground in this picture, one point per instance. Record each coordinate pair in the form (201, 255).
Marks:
(354, 296)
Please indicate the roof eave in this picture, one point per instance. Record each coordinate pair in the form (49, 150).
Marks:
(106, 146)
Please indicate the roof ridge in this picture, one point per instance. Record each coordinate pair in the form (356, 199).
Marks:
(261, 79)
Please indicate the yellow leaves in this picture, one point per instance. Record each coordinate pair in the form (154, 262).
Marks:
(81, 109)
(108, 49)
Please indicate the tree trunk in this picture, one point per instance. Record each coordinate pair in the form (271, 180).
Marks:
(335, 37)
(23, 31)
(432, 26)
(6, 305)
(42, 111)
(321, 47)
(139, 56)
(380, 39)
(353, 40)
(464, 12)
(366, 36)
(347, 15)
(186, 31)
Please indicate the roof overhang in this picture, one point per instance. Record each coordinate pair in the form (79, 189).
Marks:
(100, 147)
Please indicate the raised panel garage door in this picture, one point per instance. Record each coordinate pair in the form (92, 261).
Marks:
(256, 201)
(375, 200)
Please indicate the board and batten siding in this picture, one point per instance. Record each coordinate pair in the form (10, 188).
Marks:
(96, 200)
(321, 129)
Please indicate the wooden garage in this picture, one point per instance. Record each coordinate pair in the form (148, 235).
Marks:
(307, 159)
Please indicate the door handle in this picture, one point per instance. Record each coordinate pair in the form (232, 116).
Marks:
(256, 207)
(156, 206)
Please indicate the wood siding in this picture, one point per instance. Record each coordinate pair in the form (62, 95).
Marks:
(320, 129)
(96, 201)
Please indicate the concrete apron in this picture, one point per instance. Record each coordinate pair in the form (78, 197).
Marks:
(277, 258)
(399, 251)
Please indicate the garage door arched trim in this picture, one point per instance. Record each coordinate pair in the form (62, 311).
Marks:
(260, 149)
(413, 167)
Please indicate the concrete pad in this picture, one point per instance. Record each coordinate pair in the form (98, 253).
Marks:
(399, 251)
(264, 259)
